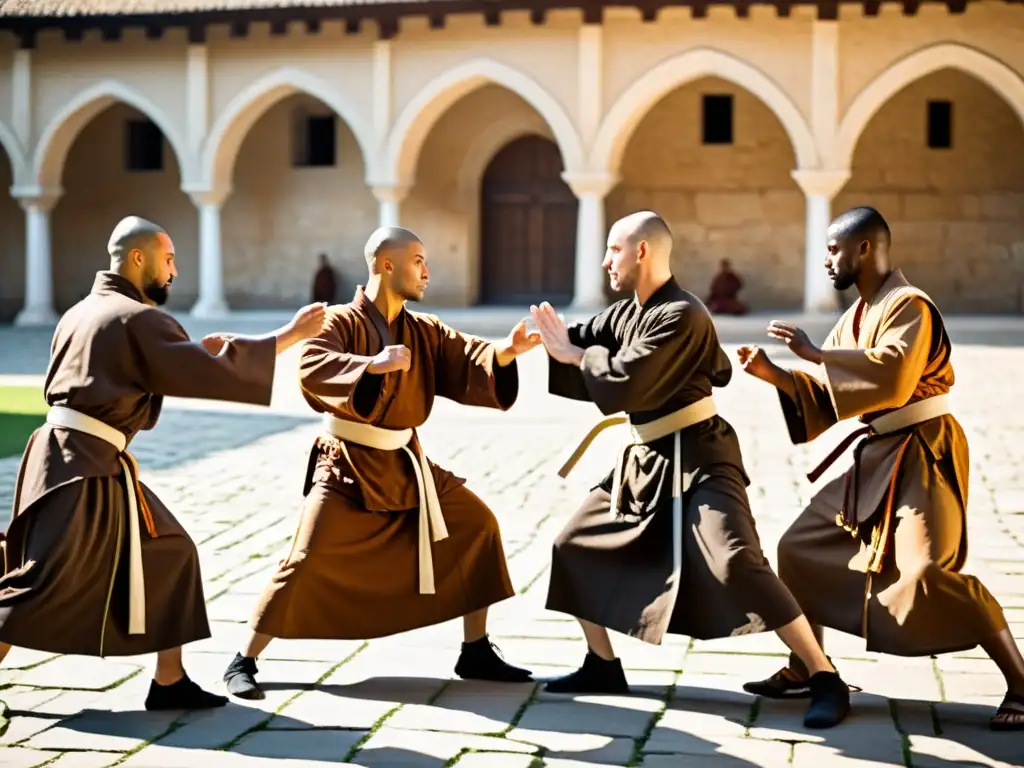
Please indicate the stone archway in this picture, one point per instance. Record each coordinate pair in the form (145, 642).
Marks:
(528, 226)
(12, 243)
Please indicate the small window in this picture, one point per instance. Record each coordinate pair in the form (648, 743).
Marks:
(718, 119)
(316, 141)
(940, 125)
(144, 146)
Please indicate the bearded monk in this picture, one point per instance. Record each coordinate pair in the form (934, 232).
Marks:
(388, 541)
(878, 552)
(666, 543)
(95, 564)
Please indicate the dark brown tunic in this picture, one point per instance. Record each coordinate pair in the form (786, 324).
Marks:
(897, 582)
(353, 569)
(613, 570)
(113, 358)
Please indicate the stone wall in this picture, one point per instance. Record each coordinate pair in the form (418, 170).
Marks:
(99, 192)
(957, 215)
(735, 202)
(12, 248)
(279, 218)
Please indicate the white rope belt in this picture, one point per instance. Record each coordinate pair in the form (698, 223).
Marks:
(59, 416)
(909, 415)
(674, 422)
(431, 521)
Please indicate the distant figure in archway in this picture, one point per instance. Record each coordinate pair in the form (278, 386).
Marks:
(725, 288)
(325, 282)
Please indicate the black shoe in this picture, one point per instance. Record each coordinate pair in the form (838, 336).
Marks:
(183, 694)
(597, 675)
(240, 678)
(787, 683)
(830, 701)
(479, 660)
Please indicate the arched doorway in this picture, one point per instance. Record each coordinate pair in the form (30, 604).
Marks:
(527, 226)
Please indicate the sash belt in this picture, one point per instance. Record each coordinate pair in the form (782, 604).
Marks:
(67, 418)
(431, 521)
(672, 423)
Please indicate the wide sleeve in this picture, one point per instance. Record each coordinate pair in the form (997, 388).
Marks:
(334, 379)
(644, 374)
(169, 363)
(467, 372)
(566, 380)
(863, 381)
(811, 413)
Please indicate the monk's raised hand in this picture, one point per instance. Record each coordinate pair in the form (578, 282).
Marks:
(215, 343)
(395, 357)
(309, 320)
(754, 361)
(796, 339)
(554, 334)
(522, 340)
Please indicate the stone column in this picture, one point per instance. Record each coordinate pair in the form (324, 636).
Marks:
(820, 187)
(591, 238)
(211, 302)
(38, 309)
(390, 199)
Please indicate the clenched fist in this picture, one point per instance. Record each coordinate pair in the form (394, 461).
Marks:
(216, 342)
(309, 320)
(755, 361)
(395, 357)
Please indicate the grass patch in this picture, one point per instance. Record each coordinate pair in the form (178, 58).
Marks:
(22, 411)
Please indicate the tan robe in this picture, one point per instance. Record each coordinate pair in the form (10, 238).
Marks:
(353, 568)
(113, 358)
(888, 567)
(616, 569)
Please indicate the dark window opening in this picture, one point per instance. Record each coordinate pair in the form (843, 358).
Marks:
(318, 142)
(940, 125)
(144, 146)
(718, 119)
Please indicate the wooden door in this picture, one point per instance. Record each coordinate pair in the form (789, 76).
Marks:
(528, 226)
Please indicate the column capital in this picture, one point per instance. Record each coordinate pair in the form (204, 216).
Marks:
(819, 183)
(202, 196)
(591, 184)
(37, 198)
(392, 193)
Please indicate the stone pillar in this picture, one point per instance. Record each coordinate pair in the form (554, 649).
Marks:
(211, 302)
(390, 199)
(38, 309)
(591, 238)
(820, 187)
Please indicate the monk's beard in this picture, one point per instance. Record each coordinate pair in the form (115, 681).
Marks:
(844, 281)
(158, 294)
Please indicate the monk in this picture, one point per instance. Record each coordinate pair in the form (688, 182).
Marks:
(725, 288)
(94, 563)
(324, 282)
(666, 543)
(878, 552)
(388, 541)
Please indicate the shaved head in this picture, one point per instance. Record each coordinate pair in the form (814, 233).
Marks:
(132, 233)
(142, 252)
(858, 240)
(650, 227)
(396, 256)
(639, 251)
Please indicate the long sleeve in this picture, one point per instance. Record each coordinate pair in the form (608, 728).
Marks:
(332, 378)
(171, 364)
(468, 373)
(885, 376)
(565, 380)
(644, 374)
(812, 413)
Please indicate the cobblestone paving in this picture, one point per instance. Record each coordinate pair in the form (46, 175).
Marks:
(233, 475)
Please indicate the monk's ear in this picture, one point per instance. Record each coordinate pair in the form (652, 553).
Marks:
(136, 256)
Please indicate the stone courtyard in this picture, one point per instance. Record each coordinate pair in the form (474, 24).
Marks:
(233, 475)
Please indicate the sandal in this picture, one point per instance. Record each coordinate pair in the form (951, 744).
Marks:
(1012, 710)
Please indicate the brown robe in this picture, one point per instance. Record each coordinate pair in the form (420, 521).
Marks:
(352, 570)
(324, 284)
(725, 289)
(888, 567)
(113, 358)
(612, 570)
